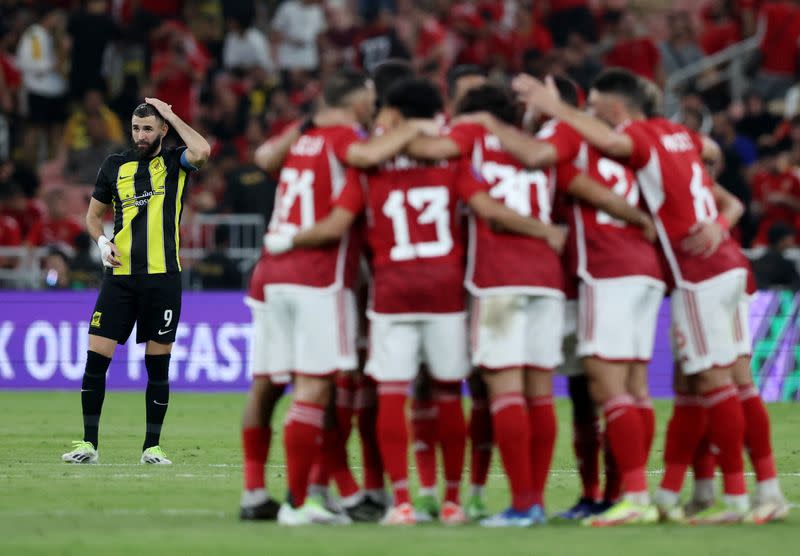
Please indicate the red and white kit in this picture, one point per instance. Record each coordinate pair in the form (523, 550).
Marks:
(621, 279)
(296, 296)
(417, 308)
(679, 193)
(516, 282)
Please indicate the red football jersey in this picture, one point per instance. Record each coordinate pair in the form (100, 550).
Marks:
(602, 246)
(510, 262)
(413, 232)
(765, 185)
(679, 193)
(64, 230)
(312, 178)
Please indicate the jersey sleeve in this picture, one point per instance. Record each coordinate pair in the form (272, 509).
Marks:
(565, 173)
(565, 140)
(180, 155)
(641, 153)
(465, 135)
(103, 189)
(343, 140)
(469, 181)
(353, 197)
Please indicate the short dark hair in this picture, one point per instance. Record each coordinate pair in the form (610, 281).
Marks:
(145, 110)
(490, 98)
(623, 83)
(778, 232)
(341, 84)
(415, 98)
(389, 72)
(463, 70)
(567, 90)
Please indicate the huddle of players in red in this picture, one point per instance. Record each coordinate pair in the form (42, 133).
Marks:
(484, 245)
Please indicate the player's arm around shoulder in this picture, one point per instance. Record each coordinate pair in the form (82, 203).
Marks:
(197, 148)
(499, 215)
(328, 230)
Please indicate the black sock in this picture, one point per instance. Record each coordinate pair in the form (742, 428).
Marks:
(93, 392)
(156, 396)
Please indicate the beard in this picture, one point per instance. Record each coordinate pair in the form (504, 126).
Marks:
(147, 150)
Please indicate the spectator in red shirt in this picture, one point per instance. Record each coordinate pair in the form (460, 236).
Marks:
(429, 36)
(175, 73)
(778, 49)
(527, 34)
(720, 28)
(632, 51)
(10, 236)
(57, 227)
(776, 193)
(13, 203)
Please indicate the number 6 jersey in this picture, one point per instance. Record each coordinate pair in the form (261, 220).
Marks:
(413, 232)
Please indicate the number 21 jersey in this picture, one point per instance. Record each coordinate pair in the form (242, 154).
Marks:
(312, 178)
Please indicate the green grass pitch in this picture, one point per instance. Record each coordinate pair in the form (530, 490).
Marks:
(121, 507)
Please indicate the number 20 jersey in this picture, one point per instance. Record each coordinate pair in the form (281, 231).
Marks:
(312, 178)
(504, 262)
(413, 233)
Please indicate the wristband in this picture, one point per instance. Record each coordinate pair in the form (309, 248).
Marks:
(102, 241)
(723, 222)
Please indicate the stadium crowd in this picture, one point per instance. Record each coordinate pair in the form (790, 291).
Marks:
(239, 72)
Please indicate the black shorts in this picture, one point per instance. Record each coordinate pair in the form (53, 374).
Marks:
(47, 110)
(151, 301)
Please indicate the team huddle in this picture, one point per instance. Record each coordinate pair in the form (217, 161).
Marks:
(498, 249)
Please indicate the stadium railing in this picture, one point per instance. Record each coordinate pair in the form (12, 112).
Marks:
(734, 58)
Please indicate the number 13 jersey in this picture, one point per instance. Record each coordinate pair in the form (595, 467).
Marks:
(312, 178)
(413, 232)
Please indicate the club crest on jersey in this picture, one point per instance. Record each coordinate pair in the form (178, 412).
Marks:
(96, 319)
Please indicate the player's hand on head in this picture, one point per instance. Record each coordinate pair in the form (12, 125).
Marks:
(276, 243)
(704, 238)
(163, 108)
(534, 93)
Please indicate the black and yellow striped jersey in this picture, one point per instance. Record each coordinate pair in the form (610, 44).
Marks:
(148, 196)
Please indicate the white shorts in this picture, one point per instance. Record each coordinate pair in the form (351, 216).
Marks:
(397, 347)
(572, 364)
(704, 322)
(296, 331)
(617, 318)
(517, 330)
(744, 340)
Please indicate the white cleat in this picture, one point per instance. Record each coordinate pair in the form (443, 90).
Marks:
(310, 513)
(82, 452)
(768, 509)
(155, 456)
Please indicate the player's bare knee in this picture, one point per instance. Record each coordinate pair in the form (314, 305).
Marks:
(538, 382)
(103, 346)
(713, 378)
(501, 382)
(313, 389)
(156, 348)
(742, 374)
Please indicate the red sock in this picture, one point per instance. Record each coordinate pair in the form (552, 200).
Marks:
(757, 433)
(393, 436)
(367, 415)
(452, 433)
(512, 430)
(480, 437)
(648, 419)
(684, 433)
(586, 437)
(704, 461)
(340, 470)
(612, 489)
(302, 439)
(726, 434)
(424, 415)
(255, 446)
(626, 442)
(543, 428)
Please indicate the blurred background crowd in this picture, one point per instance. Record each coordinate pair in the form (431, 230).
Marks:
(71, 72)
